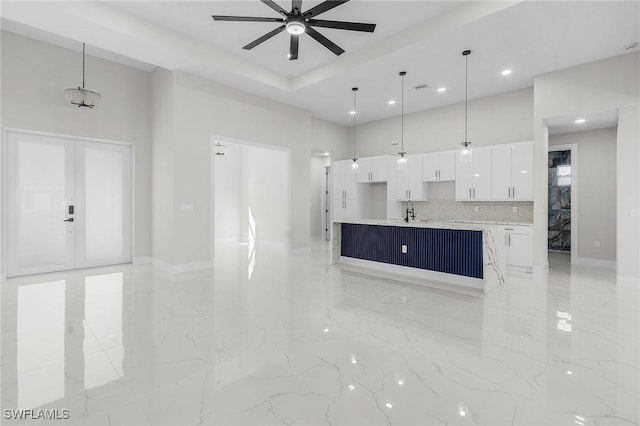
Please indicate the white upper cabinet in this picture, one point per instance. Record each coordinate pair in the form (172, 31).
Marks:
(409, 183)
(344, 181)
(372, 169)
(512, 173)
(439, 166)
(473, 179)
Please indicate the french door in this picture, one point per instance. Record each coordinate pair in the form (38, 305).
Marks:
(68, 203)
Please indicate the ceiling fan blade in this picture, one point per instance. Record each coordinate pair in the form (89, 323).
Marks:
(245, 18)
(323, 7)
(296, 4)
(264, 38)
(324, 41)
(293, 47)
(275, 7)
(352, 26)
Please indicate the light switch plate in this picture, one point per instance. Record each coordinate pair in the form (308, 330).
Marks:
(404, 248)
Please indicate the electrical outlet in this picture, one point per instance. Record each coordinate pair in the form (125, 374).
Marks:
(476, 209)
(596, 244)
(514, 209)
(404, 249)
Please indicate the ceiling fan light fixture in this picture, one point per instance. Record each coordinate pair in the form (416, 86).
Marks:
(295, 27)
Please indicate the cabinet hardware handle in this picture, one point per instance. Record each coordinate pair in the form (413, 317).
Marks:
(469, 192)
(409, 194)
(474, 192)
(513, 191)
(509, 240)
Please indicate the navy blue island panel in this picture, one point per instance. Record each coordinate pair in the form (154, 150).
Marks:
(452, 251)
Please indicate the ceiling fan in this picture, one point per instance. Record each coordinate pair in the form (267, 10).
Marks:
(298, 22)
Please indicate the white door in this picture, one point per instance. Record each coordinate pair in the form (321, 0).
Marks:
(416, 187)
(430, 166)
(447, 168)
(481, 173)
(68, 204)
(501, 172)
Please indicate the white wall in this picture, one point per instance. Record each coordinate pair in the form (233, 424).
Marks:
(228, 202)
(34, 75)
(593, 87)
(628, 194)
(596, 190)
(330, 137)
(201, 109)
(493, 120)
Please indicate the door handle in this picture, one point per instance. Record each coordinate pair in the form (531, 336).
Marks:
(68, 220)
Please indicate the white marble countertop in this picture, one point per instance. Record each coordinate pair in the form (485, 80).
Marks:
(422, 224)
(480, 222)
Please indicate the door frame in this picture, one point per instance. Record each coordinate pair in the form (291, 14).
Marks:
(574, 196)
(3, 200)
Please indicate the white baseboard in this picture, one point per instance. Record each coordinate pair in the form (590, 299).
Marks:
(183, 267)
(600, 263)
(143, 260)
(540, 270)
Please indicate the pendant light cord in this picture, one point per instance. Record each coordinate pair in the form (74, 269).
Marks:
(402, 114)
(83, 65)
(355, 112)
(466, 95)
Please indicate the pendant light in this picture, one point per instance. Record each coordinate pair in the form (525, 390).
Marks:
(354, 112)
(465, 150)
(402, 155)
(81, 96)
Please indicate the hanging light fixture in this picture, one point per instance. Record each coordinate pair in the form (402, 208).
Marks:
(81, 96)
(402, 155)
(465, 150)
(354, 165)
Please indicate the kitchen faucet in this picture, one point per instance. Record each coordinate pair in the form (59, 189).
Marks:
(411, 210)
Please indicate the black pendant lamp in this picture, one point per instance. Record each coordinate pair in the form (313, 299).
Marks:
(465, 149)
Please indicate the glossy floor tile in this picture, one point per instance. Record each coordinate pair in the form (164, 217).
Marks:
(278, 339)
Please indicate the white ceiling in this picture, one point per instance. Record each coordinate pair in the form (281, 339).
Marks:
(425, 38)
(593, 120)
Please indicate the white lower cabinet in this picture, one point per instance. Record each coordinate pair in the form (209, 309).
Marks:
(519, 245)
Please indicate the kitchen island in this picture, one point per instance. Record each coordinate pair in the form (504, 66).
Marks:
(428, 253)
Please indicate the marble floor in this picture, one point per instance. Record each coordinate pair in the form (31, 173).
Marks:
(278, 339)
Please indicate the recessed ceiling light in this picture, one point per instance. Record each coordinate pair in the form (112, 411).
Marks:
(389, 405)
(580, 120)
(327, 153)
(442, 89)
(505, 72)
(352, 112)
(391, 102)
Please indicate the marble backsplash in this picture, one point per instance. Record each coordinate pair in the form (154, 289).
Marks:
(494, 211)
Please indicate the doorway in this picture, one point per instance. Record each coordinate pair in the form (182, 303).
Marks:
(559, 205)
(68, 203)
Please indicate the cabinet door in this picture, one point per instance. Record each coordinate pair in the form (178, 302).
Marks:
(447, 167)
(522, 171)
(351, 209)
(501, 172)
(519, 249)
(364, 170)
(402, 183)
(350, 182)
(338, 172)
(481, 173)
(379, 169)
(415, 183)
(464, 182)
(430, 166)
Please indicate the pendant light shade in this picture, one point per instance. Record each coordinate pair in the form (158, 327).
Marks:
(402, 155)
(80, 96)
(466, 154)
(354, 165)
